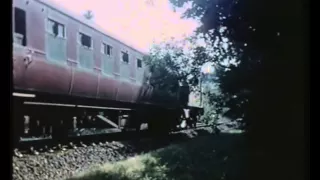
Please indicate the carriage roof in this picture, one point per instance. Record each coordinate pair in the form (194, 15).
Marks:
(90, 24)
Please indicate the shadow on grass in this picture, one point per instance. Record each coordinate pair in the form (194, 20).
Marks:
(208, 157)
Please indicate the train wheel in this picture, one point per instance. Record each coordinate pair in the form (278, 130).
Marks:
(17, 128)
(18, 120)
(135, 119)
(56, 123)
(160, 125)
(152, 127)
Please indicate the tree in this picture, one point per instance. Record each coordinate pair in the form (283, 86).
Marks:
(170, 62)
(264, 85)
(168, 66)
(261, 43)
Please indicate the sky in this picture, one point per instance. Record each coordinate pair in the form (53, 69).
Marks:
(135, 21)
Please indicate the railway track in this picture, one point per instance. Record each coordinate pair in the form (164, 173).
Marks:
(90, 137)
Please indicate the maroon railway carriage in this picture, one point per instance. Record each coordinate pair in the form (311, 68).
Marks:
(63, 63)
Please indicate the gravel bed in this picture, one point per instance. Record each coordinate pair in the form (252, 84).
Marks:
(65, 164)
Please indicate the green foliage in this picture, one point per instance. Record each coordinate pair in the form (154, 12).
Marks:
(172, 64)
(260, 37)
(210, 91)
(168, 64)
(265, 83)
(170, 58)
(164, 75)
(210, 157)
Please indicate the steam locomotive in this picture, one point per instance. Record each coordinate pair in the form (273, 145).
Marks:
(69, 72)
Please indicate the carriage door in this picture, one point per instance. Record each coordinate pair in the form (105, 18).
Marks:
(19, 40)
(19, 34)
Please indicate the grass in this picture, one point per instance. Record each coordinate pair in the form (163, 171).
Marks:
(210, 157)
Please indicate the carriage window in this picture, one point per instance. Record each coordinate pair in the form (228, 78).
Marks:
(55, 28)
(106, 49)
(20, 27)
(85, 40)
(109, 50)
(125, 57)
(139, 63)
